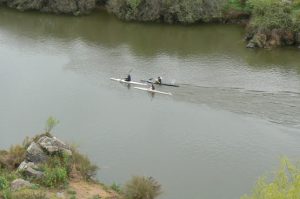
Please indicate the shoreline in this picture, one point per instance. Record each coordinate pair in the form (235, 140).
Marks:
(257, 35)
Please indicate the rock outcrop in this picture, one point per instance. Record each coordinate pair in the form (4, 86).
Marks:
(273, 38)
(38, 153)
(54, 145)
(75, 7)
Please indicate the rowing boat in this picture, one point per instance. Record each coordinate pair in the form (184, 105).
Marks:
(130, 82)
(163, 84)
(152, 91)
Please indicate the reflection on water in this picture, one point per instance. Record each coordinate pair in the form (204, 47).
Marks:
(207, 141)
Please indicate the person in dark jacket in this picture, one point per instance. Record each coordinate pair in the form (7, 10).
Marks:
(152, 87)
(128, 78)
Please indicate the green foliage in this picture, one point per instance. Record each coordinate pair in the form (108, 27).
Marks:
(285, 184)
(9, 175)
(271, 14)
(237, 5)
(171, 11)
(55, 177)
(6, 194)
(142, 188)
(3, 183)
(116, 187)
(134, 3)
(50, 124)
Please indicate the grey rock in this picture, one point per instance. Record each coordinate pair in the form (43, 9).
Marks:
(54, 145)
(250, 45)
(35, 154)
(29, 168)
(60, 195)
(18, 184)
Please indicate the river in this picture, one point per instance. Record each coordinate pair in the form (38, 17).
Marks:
(236, 113)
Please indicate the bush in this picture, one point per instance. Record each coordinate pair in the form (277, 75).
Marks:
(116, 187)
(142, 188)
(3, 183)
(50, 124)
(271, 14)
(55, 177)
(285, 184)
(171, 11)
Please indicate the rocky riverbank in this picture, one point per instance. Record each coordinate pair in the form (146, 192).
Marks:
(270, 23)
(46, 167)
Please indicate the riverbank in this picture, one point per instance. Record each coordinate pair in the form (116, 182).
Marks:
(46, 167)
(268, 23)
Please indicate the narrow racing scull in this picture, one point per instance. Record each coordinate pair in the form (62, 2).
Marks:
(152, 91)
(130, 82)
(162, 84)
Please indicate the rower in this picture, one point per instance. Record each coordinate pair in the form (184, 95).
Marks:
(158, 80)
(152, 87)
(128, 78)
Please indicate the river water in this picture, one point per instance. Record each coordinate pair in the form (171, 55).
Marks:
(236, 113)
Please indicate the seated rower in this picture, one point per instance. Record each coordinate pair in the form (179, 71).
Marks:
(158, 80)
(152, 87)
(128, 78)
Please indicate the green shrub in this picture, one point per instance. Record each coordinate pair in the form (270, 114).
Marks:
(171, 11)
(116, 187)
(3, 183)
(271, 14)
(55, 177)
(50, 124)
(142, 188)
(9, 175)
(285, 184)
(134, 3)
(6, 194)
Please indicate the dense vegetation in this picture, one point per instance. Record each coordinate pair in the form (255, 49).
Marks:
(170, 11)
(285, 184)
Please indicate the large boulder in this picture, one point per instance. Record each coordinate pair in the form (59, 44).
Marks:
(18, 184)
(35, 154)
(54, 145)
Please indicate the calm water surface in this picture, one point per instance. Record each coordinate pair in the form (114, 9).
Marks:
(236, 112)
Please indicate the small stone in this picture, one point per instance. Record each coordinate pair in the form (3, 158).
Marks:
(29, 168)
(20, 184)
(250, 45)
(60, 195)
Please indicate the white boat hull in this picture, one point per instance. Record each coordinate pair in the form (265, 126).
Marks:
(152, 91)
(126, 82)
